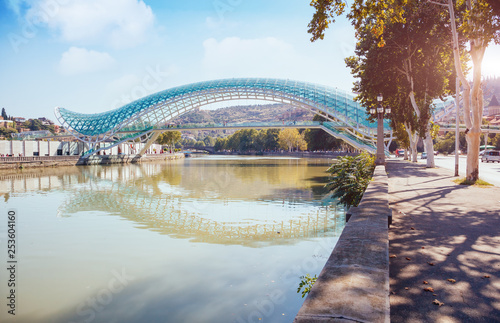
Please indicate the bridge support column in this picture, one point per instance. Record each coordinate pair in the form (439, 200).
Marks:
(149, 143)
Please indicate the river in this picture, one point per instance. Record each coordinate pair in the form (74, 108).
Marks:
(210, 239)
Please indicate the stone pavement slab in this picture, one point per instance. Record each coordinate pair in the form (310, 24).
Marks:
(447, 235)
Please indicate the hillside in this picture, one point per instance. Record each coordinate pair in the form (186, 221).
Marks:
(249, 113)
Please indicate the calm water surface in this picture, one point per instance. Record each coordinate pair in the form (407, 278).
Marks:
(212, 239)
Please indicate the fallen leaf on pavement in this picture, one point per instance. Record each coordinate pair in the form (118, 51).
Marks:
(406, 288)
(425, 282)
(392, 256)
(451, 280)
(408, 258)
(431, 263)
(436, 302)
(429, 289)
(412, 228)
(486, 276)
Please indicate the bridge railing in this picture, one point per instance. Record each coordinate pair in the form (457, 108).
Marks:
(452, 125)
(13, 159)
(277, 124)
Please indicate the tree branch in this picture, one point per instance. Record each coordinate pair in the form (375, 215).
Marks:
(438, 3)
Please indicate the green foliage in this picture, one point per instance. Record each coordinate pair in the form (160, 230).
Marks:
(247, 140)
(289, 138)
(169, 138)
(220, 144)
(188, 142)
(496, 141)
(209, 141)
(36, 125)
(307, 283)
(446, 144)
(318, 139)
(271, 139)
(467, 182)
(5, 132)
(325, 13)
(350, 177)
(199, 144)
(402, 51)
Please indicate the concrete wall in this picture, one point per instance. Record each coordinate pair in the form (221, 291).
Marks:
(28, 148)
(17, 147)
(354, 284)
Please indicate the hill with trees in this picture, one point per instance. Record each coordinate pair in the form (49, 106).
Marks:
(246, 113)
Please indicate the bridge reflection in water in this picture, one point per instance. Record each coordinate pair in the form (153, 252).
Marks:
(214, 203)
(210, 243)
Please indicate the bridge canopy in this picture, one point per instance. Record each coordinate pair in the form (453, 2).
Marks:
(154, 111)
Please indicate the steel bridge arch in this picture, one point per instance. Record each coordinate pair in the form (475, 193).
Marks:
(142, 118)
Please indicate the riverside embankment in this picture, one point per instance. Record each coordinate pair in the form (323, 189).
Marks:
(354, 284)
(55, 161)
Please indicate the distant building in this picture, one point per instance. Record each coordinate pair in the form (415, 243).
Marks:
(21, 129)
(45, 121)
(6, 123)
(19, 119)
(493, 108)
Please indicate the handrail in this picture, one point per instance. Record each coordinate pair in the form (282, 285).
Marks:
(37, 158)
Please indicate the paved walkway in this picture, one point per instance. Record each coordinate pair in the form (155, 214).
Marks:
(442, 231)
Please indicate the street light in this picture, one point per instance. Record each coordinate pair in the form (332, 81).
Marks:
(380, 111)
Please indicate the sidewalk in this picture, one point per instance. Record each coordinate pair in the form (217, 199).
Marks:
(442, 231)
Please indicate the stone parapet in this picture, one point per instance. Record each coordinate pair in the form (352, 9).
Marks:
(354, 284)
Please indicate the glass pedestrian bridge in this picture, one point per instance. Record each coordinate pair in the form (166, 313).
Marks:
(147, 117)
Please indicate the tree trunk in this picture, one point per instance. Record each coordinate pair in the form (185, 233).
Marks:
(475, 101)
(474, 135)
(413, 138)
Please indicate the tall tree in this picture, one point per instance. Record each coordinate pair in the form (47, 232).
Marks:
(289, 138)
(4, 114)
(169, 138)
(403, 53)
(479, 25)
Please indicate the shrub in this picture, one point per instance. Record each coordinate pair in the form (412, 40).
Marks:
(350, 177)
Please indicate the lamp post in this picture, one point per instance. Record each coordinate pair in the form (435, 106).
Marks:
(380, 111)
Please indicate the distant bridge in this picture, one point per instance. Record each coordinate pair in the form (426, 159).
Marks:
(146, 118)
(462, 128)
(209, 149)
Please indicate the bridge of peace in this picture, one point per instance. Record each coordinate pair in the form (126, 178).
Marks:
(147, 118)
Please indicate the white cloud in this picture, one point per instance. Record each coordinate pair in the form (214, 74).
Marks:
(248, 57)
(81, 61)
(14, 5)
(117, 23)
(130, 87)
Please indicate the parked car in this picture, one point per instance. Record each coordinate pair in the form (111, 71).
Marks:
(423, 156)
(491, 155)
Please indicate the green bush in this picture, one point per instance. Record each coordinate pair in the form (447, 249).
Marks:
(350, 177)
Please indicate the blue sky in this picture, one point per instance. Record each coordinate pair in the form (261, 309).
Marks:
(95, 55)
